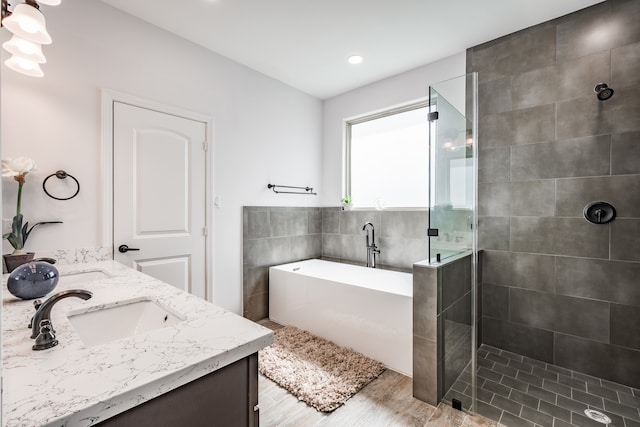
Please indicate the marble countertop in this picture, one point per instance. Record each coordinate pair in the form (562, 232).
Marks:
(75, 385)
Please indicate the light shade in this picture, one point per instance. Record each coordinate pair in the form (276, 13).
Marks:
(27, 22)
(50, 2)
(24, 66)
(25, 49)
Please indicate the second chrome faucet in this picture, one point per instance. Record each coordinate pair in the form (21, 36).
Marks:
(372, 249)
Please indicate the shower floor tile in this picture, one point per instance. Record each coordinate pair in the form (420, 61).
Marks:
(518, 391)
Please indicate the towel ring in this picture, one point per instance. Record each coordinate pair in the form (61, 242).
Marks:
(61, 175)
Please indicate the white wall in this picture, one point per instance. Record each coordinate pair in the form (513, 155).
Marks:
(401, 89)
(264, 131)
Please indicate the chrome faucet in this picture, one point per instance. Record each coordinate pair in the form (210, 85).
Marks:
(41, 327)
(372, 249)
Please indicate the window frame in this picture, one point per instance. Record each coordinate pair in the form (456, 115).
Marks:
(366, 118)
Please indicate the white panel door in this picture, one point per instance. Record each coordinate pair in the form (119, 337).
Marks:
(159, 172)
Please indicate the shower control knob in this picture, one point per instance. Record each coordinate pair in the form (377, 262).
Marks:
(599, 212)
(124, 249)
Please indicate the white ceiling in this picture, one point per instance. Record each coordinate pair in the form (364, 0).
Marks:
(305, 43)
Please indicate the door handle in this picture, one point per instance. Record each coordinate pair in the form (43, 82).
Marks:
(125, 248)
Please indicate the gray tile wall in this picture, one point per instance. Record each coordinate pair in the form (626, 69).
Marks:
(555, 287)
(277, 235)
(272, 236)
(401, 236)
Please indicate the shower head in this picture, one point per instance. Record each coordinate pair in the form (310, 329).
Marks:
(603, 91)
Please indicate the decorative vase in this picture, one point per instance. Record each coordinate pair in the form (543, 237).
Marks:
(33, 280)
(347, 206)
(14, 261)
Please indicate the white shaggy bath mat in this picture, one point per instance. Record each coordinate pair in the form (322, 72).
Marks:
(316, 371)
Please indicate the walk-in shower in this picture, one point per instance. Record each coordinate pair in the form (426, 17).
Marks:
(559, 221)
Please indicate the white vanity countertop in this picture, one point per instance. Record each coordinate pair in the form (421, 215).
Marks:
(75, 385)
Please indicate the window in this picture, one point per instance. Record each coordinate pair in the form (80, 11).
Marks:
(387, 162)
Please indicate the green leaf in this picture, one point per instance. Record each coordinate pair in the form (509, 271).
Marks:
(28, 232)
(16, 238)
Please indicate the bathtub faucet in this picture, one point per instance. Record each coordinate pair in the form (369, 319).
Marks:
(372, 249)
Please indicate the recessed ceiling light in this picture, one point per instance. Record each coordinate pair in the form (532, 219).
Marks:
(355, 59)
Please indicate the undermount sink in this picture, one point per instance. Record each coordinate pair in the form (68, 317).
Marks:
(121, 319)
(83, 277)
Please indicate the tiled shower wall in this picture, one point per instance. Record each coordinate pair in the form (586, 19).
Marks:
(277, 235)
(554, 286)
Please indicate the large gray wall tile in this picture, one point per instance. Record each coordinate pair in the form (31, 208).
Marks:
(351, 222)
(561, 236)
(615, 281)
(494, 96)
(567, 80)
(456, 281)
(343, 246)
(495, 301)
(524, 126)
(493, 233)
(257, 281)
(494, 199)
(625, 241)
(532, 198)
(516, 53)
(613, 22)
(494, 165)
(411, 224)
(625, 152)
(582, 317)
(272, 251)
(425, 368)
(594, 358)
(305, 247)
(588, 116)
(529, 271)
(331, 220)
(401, 252)
(288, 222)
(520, 339)
(575, 316)
(623, 192)
(625, 325)
(625, 63)
(574, 157)
(524, 198)
(315, 220)
(532, 308)
(425, 302)
(256, 223)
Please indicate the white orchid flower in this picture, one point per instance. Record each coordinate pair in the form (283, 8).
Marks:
(18, 166)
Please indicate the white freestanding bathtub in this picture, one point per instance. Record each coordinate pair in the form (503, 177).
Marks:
(368, 310)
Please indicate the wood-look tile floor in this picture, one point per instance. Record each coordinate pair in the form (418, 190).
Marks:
(385, 401)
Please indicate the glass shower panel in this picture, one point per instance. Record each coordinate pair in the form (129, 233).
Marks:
(452, 233)
(451, 171)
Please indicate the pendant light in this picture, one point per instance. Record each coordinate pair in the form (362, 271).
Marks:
(24, 66)
(28, 22)
(29, 29)
(25, 49)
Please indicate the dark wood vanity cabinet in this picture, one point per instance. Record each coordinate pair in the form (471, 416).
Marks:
(227, 397)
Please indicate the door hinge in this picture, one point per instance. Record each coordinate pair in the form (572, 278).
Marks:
(205, 145)
(205, 231)
(432, 116)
